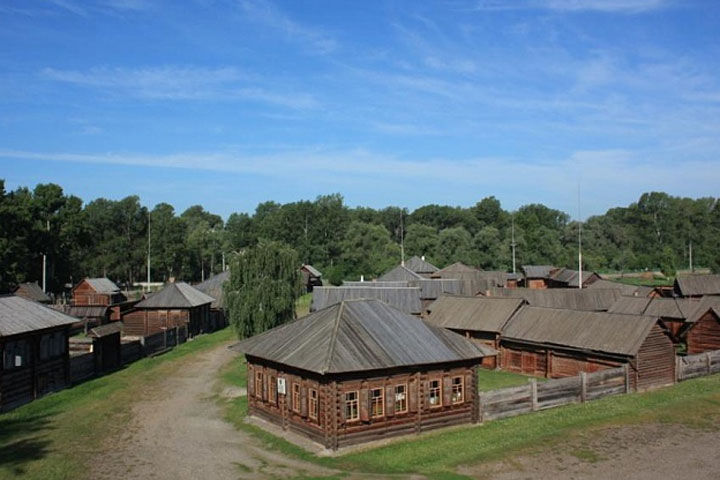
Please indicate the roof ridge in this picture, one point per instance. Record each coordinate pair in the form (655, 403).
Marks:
(333, 338)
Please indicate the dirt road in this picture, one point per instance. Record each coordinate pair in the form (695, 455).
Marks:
(177, 432)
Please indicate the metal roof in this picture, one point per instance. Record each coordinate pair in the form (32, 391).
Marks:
(482, 314)
(314, 271)
(696, 285)
(176, 295)
(420, 265)
(702, 307)
(596, 331)
(32, 291)
(20, 315)
(569, 298)
(399, 273)
(102, 285)
(538, 271)
(406, 299)
(360, 335)
(213, 287)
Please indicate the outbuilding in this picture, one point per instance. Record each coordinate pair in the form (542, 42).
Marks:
(673, 312)
(97, 291)
(311, 277)
(359, 371)
(421, 266)
(594, 300)
(537, 276)
(215, 288)
(702, 331)
(32, 291)
(697, 285)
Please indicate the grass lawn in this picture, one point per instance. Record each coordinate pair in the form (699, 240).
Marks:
(55, 436)
(438, 454)
(302, 306)
(647, 282)
(494, 379)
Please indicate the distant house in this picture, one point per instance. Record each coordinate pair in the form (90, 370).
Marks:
(673, 312)
(359, 371)
(400, 274)
(87, 316)
(481, 319)
(430, 288)
(405, 299)
(475, 281)
(106, 343)
(625, 289)
(97, 292)
(214, 287)
(702, 332)
(311, 277)
(556, 343)
(178, 305)
(567, 278)
(31, 291)
(420, 266)
(34, 349)
(697, 285)
(537, 276)
(587, 299)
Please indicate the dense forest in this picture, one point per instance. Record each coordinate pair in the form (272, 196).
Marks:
(110, 237)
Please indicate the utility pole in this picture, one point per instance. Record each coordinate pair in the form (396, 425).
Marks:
(580, 269)
(692, 270)
(148, 265)
(512, 243)
(45, 260)
(402, 239)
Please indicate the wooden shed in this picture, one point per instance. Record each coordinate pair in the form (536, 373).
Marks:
(556, 343)
(421, 266)
(214, 287)
(106, 343)
(481, 319)
(537, 276)
(593, 300)
(96, 291)
(702, 330)
(88, 316)
(176, 305)
(359, 371)
(32, 291)
(34, 348)
(673, 312)
(568, 278)
(405, 299)
(697, 285)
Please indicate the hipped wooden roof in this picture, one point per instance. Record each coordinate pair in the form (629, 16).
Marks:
(418, 265)
(696, 285)
(570, 277)
(399, 274)
(597, 300)
(593, 331)
(312, 270)
(625, 289)
(20, 315)
(106, 330)
(538, 271)
(213, 287)
(406, 299)
(32, 291)
(481, 314)
(457, 267)
(360, 335)
(176, 295)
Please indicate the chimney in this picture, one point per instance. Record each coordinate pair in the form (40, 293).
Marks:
(422, 258)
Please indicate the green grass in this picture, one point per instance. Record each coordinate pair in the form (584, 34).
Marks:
(695, 403)
(494, 379)
(302, 306)
(647, 282)
(56, 436)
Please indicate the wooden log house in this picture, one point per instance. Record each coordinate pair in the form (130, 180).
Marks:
(696, 286)
(567, 278)
(359, 371)
(537, 276)
(177, 305)
(106, 346)
(430, 288)
(480, 319)
(34, 349)
(96, 292)
(702, 330)
(588, 299)
(31, 291)
(311, 277)
(555, 343)
(673, 312)
(420, 266)
(214, 287)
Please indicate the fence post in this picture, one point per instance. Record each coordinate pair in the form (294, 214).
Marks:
(533, 394)
(583, 387)
(678, 369)
(708, 361)
(627, 377)
(481, 410)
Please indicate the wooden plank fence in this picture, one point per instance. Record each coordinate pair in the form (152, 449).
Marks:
(701, 364)
(82, 367)
(509, 402)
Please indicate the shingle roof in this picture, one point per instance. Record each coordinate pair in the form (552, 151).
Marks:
(376, 283)
(595, 331)
(83, 311)
(399, 273)
(538, 271)
(20, 315)
(457, 267)
(418, 265)
(32, 291)
(103, 285)
(570, 277)
(625, 289)
(105, 330)
(176, 295)
(430, 288)
(696, 285)
(213, 287)
(668, 308)
(703, 306)
(314, 271)
(569, 298)
(360, 335)
(484, 314)
(406, 299)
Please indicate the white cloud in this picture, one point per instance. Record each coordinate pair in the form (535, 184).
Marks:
(607, 6)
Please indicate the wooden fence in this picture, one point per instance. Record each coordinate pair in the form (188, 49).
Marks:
(82, 367)
(698, 365)
(508, 402)
(162, 341)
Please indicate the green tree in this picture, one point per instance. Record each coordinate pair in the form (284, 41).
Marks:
(264, 284)
(368, 250)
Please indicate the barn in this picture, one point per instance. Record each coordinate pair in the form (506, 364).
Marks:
(31, 291)
(593, 300)
(405, 299)
(537, 276)
(481, 319)
(360, 371)
(34, 348)
(214, 287)
(311, 277)
(177, 305)
(697, 285)
(97, 291)
(421, 266)
(556, 343)
(702, 331)
(673, 312)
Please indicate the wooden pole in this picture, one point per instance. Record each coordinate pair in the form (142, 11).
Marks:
(583, 387)
(533, 394)
(627, 377)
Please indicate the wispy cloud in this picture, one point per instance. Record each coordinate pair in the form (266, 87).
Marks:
(313, 39)
(70, 6)
(181, 83)
(607, 6)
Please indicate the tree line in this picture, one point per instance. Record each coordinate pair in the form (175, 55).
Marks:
(110, 237)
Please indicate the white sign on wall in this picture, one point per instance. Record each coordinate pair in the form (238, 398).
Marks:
(281, 385)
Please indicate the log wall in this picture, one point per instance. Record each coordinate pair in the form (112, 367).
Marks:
(704, 335)
(655, 360)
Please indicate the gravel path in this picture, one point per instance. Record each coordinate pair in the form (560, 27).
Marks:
(177, 432)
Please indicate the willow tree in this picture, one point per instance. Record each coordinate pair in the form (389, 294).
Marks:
(264, 284)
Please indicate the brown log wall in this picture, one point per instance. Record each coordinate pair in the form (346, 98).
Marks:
(704, 335)
(655, 360)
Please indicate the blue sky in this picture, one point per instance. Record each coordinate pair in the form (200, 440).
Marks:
(231, 103)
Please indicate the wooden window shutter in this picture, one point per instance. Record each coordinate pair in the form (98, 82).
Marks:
(390, 400)
(364, 405)
(251, 381)
(342, 400)
(447, 390)
(304, 401)
(265, 387)
(413, 396)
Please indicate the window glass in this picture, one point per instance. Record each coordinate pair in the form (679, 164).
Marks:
(377, 405)
(401, 398)
(457, 390)
(435, 393)
(313, 404)
(351, 406)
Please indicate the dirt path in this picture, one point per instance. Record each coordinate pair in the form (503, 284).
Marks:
(177, 432)
(647, 452)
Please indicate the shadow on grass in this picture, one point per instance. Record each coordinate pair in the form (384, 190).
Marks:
(22, 441)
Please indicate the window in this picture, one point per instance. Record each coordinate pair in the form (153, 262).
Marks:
(258, 384)
(352, 412)
(377, 407)
(313, 404)
(273, 390)
(456, 396)
(401, 405)
(16, 355)
(435, 393)
(296, 397)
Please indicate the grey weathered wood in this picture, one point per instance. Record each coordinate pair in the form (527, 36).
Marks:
(583, 387)
(534, 394)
